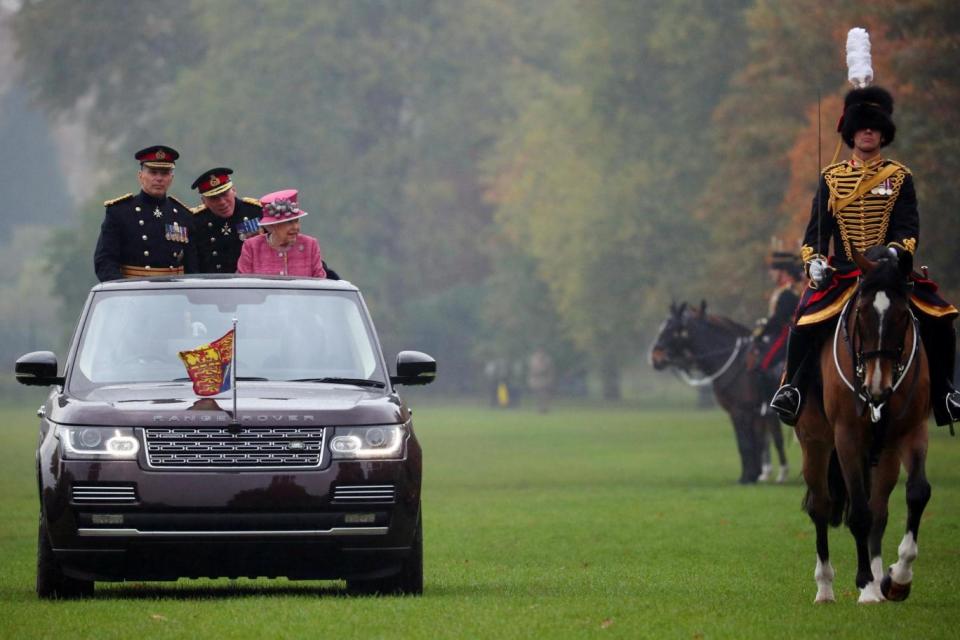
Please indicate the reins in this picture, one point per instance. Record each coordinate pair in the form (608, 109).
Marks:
(857, 359)
(700, 382)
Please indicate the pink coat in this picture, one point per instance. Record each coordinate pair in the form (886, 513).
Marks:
(302, 259)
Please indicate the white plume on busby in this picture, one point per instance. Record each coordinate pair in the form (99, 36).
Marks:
(866, 105)
(859, 63)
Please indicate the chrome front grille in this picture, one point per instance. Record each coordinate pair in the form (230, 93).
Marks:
(364, 493)
(250, 448)
(103, 494)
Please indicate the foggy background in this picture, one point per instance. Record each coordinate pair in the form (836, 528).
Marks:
(496, 176)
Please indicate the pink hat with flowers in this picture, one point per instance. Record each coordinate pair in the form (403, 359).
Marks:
(280, 206)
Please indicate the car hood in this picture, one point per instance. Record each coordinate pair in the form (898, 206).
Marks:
(267, 404)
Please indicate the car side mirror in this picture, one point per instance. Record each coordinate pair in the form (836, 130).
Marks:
(38, 369)
(414, 367)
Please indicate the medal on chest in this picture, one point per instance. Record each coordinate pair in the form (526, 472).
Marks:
(247, 228)
(175, 233)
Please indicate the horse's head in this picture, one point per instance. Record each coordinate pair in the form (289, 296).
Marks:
(882, 320)
(672, 344)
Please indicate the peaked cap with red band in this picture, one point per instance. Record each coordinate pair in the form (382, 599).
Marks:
(158, 157)
(213, 182)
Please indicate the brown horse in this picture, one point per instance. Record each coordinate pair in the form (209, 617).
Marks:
(870, 418)
(691, 340)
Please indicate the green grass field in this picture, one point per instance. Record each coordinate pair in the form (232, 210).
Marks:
(580, 523)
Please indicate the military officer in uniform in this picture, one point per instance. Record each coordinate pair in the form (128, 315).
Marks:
(150, 233)
(861, 203)
(223, 221)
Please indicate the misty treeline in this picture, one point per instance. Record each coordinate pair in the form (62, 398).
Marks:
(501, 175)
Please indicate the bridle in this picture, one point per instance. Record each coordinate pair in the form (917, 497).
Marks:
(688, 358)
(860, 357)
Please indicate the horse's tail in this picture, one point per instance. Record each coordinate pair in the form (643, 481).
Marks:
(839, 502)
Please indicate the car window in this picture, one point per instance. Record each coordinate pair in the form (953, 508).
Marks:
(136, 336)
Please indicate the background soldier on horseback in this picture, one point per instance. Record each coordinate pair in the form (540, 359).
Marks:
(860, 203)
(786, 271)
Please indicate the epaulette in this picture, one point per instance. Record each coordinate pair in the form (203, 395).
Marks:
(110, 203)
(827, 169)
(252, 201)
(197, 210)
(179, 202)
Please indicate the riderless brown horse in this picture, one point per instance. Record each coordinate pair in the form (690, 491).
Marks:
(870, 418)
(690, 340)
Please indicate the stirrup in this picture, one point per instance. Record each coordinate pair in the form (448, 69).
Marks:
(952, 400)
(785, 405)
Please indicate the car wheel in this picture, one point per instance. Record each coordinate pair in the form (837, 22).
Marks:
(409, 580)
(52, 584)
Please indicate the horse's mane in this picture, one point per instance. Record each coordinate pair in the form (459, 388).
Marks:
(886, 276)
(728, 324)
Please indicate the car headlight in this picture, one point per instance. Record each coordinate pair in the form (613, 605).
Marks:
(353, 443)
(113, 443)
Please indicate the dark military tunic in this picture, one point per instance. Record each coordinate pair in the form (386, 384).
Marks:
(783, 304)
(885, 214)
(140, 233)
(219, 240)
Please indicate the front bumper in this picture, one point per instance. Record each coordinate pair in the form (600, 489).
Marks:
(301, 524)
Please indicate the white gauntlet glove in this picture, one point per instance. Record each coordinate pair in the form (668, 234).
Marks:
(819, 271)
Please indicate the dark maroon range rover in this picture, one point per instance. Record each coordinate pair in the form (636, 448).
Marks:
(316, 475)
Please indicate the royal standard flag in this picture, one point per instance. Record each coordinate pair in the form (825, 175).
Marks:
(209, 365)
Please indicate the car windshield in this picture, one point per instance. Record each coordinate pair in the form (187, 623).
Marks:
(282, 335)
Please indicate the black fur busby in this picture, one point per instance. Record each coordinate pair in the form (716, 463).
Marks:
(868, 108)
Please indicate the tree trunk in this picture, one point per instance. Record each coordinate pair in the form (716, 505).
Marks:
(610, 380)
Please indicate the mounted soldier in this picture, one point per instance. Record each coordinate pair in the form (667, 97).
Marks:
(786, 272)
(860, 203)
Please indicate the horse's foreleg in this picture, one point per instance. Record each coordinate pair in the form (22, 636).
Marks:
(776, 433)
(896, 584)
(766, 467)
(746, 446)
(816, 458)
(883, 480)
(859, 519)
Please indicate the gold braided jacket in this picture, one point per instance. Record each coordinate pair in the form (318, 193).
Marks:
(864, 221)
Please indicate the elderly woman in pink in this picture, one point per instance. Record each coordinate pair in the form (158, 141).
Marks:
(282, 250)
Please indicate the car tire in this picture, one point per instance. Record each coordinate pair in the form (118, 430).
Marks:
(407, 582)
(52, 584)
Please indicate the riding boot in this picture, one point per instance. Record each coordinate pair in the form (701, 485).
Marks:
(788, 398)
(940, 343)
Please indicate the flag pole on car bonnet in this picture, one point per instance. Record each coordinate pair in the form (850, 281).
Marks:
(235, 423)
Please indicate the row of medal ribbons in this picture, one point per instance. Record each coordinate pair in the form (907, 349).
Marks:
(247, 228)
(175, 233)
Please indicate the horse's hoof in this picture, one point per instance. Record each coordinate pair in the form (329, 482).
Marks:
(870, 594)
(824, 598)
(893, 591)
(784, 473)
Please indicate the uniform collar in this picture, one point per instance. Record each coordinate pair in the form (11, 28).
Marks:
(149, 199)
(873, 162)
